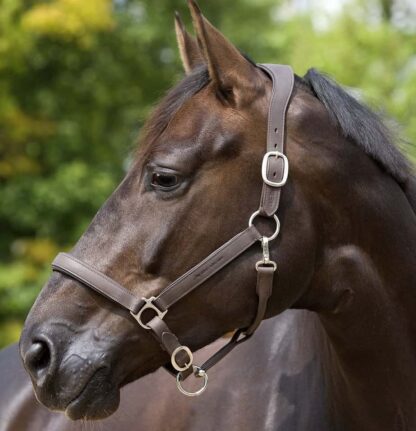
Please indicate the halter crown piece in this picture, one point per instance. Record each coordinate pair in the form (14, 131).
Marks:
(274, 171)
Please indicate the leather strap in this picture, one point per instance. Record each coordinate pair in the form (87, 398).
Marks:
(89, 276)
(207, 268)
(168, 340)
(283, 80)
(264, 289)
(238, 337)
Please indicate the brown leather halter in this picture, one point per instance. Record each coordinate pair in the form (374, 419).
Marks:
(275, 169)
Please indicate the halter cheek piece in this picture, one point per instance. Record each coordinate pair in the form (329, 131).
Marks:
(275, 169)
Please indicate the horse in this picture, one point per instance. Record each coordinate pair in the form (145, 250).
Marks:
(345, 251)
(282, 364)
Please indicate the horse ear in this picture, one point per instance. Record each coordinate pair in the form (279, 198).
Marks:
(227, 67)
(189, 50)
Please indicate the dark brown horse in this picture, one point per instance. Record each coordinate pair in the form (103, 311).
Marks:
(346, 249)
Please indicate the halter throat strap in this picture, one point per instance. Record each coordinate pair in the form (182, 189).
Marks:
(275, 168)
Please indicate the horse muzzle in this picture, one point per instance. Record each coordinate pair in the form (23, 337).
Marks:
(74, 377)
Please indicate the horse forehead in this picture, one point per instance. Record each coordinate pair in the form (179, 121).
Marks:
(200, 135)
(198, 114)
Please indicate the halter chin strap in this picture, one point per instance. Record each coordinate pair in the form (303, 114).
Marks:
(275, 169)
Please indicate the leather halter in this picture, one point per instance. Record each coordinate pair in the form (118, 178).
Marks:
(275, 169)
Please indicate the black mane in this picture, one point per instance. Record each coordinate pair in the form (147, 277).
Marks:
(358, 123)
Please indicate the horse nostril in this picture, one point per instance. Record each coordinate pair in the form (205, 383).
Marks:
(38, 358)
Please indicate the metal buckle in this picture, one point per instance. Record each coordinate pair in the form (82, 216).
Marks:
(276, 219)
(148, 304)
(173, 358)
(264, 165)
(198, 372)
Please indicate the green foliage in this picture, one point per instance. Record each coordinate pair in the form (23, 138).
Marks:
(77, 79)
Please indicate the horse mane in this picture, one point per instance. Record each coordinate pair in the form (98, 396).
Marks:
(365, 128)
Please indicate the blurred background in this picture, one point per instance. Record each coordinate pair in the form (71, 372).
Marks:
(78, 78)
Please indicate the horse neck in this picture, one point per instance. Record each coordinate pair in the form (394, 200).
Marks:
(363, 291)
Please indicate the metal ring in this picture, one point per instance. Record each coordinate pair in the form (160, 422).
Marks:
(173, 358)
(276, 219)
(198, 372)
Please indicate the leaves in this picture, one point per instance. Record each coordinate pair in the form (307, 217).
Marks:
(77, 20)
(78, 78)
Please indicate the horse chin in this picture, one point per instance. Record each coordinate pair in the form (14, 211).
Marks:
(97, 400)
(85, 408)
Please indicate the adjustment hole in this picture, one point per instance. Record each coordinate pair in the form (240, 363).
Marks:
(275, 145)
(274, 174)
(275, 130)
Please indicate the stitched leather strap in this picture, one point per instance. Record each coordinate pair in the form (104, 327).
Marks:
(98, 281)
(264, 289)
(207, 268)
(168, 341)
(283, 80)
(89, 276)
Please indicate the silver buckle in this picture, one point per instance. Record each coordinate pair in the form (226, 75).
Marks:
(148, 304)
(173, 358)
(264, 165)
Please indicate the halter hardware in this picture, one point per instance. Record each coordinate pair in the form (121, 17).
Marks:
(181, 356)
(266, 255)
(276, 230)
(197, 372)
(175, 363)
(264, 165)
(148, 305)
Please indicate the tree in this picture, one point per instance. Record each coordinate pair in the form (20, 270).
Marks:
(78, 78)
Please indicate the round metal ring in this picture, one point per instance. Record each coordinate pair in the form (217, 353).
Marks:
(276, 219)
(173, 358)
(198, 372)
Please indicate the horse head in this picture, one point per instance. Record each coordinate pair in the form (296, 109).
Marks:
(193, 184)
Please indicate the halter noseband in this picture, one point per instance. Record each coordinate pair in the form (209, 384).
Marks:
(275, 169)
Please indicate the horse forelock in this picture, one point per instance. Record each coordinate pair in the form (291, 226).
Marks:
(174, 99)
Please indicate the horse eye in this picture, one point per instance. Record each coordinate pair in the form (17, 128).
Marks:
(164, 180)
